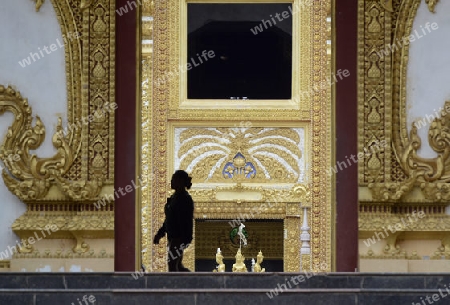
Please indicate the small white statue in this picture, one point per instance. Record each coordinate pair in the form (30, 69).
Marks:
(241, 234)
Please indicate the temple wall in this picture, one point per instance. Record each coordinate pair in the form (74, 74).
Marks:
(42, 81)
(404, 223)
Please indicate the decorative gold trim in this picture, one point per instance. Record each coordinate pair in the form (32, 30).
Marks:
(387, 5)
(378, 222)
(320, 217)
(60, 254)
(145, 146)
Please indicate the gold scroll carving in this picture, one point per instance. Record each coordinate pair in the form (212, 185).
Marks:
(26, 175)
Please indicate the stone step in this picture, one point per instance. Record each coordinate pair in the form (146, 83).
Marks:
(225, 288)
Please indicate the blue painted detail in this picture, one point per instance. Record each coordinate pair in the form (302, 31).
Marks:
(239, 166)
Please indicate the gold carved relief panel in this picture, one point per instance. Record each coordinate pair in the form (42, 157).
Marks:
(242, 153)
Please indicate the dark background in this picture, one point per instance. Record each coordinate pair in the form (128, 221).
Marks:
(245, 65)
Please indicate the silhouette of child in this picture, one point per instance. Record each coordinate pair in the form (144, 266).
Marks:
(178, 225)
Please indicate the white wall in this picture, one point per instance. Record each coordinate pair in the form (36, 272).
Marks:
(428, 77)
(43, 82)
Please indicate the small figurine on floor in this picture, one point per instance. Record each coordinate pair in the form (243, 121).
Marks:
(219, 260)
(259, 259)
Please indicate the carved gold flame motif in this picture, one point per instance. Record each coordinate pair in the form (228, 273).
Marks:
(28, 176)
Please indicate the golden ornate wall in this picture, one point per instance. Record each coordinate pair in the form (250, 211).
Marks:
(175, 131)
(61, 190)
(393, 180)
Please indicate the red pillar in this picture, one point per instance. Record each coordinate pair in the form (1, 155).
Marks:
(346, 136)
(125, 138)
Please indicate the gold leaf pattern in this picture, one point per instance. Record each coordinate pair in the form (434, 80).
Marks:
(275, 152)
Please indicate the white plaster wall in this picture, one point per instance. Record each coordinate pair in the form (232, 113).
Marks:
(428, 83)
(23, 30)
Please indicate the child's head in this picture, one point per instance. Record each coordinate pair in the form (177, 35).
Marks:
(180, 180)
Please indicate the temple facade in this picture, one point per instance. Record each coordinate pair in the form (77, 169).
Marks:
(321, 126)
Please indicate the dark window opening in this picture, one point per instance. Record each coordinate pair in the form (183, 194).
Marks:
(252, 51)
